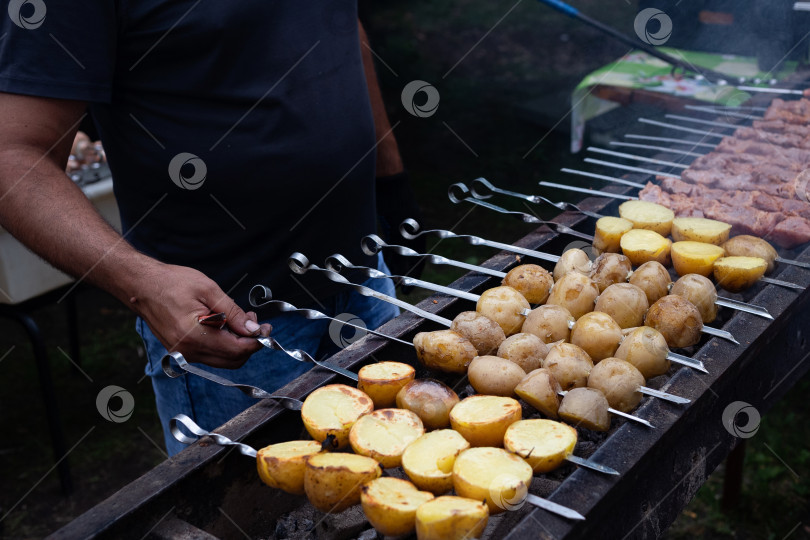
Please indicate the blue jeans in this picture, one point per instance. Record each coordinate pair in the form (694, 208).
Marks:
(211, 405)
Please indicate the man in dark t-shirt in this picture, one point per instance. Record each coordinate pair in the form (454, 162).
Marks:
(236, 132)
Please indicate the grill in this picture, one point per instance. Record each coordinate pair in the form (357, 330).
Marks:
(213, 489)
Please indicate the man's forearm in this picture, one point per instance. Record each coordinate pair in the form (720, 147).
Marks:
(389, 161)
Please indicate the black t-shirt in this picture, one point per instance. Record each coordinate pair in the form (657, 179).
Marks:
(237, 132)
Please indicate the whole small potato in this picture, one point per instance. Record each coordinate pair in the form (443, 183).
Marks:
(505, 306)
(597, 334)
(550, 323)
(677, 319)
(701, 292)
(444, 350)
(524, 349)
(484, 333)
(625, 303)
(540, 390)
(645, 348)
(494, 376)
(610, 268)
(569, 365)
(573, 260)
(619, 381)
(653, 278)
(586, 407)
(532, 281)
(431, 400)
(575, 292)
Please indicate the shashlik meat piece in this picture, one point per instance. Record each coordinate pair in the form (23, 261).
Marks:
(796, 106)
(752, 148)
(790, 140)
(741, 162)
(779, 126)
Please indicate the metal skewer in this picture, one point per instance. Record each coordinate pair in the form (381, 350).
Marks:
(668, 139)
(480, 187)
(602, 177)
(636, 158)
(771, 90)
(553, 507)
(627, 168)
(680, 128)
(727, 112)
(221, 440)
(588, 464)
(251, 391)
(619, 413)
(658, 148)
(459, 192)
(410, 229)
(724, 125)
(260, 296)
(764, 279)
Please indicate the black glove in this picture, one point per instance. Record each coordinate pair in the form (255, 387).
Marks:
(395, 203)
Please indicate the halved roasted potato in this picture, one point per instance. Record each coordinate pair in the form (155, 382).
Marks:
(609, 231)
(430, 399)
(540, 390)
(746, 245)
(332, 481)
(383, 381)
(709, 231)
(428, 461)
(619, 381)
(525, 350)
(586, 407)
(575, 292)
(384, 435)
(390, 505)
(332, 410)
(451, 518)
(544, 444)
(532, 281)
(282, 465)
(694, 257)
(444, 350)
(648, 215)
(483, 420)
(494, 375)
(493, 475)
(736, 274)
(641, 246)
(551, 323)
(505, 306)
(484, 333)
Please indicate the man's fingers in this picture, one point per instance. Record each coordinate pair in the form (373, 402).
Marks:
(239, 322)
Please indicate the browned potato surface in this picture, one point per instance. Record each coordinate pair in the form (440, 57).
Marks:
(677, 319)
(484, 333)
(494, 375)
(619, 381)
(701, 292)
(332, 481)
(575, 292)
(383, 381)
(645, 348)
(569, 365)
(332, 410)
(586, 407)
(431, 400)
(746, 245)
(524, 349)
(451, 518)
(532, 281)
(625, 303)
(597, 334)
(550, 323)
(540, 390)
(505, 306)
(282, 465)
(390, 505)
(610, 268)
(384, 435)
(444, 350)
(572, 260)
(652, 278)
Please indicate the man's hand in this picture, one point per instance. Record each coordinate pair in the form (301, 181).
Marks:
(172, 298)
